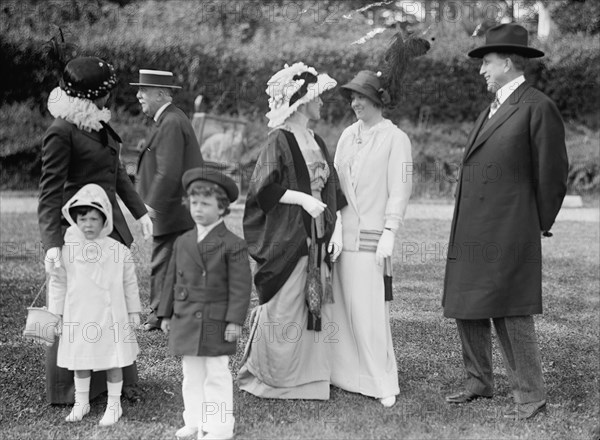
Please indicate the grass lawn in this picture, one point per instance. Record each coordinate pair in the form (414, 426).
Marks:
(426, 344)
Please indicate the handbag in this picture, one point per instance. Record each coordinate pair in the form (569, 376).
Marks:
(41, 324)
(313, 289)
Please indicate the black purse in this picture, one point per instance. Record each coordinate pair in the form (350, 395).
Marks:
(313, 289)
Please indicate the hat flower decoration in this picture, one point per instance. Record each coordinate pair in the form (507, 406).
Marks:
(293, 86)
(84, 80)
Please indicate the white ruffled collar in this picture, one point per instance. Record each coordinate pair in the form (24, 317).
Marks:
(81, 112)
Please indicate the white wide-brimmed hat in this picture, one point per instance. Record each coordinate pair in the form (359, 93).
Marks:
(293, 86)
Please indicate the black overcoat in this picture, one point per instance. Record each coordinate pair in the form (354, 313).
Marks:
(171, 149)
(72, 158)
(510, 189)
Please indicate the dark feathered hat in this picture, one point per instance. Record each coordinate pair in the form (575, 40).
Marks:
(88, 77)
(367, 83)
(397, 59)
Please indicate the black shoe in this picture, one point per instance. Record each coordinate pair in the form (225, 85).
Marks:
(464, 397)
(526, 411)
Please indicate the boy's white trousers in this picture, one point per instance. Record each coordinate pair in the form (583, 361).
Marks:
(208, 394)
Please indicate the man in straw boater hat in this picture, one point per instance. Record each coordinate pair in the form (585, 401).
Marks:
(510, 189)
(171, 149)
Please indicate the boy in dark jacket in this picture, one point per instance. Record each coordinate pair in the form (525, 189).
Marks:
(204, 304)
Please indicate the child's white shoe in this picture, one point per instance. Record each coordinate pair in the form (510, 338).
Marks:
(186, 431)
(78, 411)
(112, 414)
(388, 401)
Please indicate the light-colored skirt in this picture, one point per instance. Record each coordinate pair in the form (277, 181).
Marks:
(363, 360)
(284, 360)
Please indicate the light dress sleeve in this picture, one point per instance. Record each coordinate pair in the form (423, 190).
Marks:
(399, 177)
(57, 290)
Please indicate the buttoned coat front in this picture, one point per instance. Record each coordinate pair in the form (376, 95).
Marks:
(510, 189)
(171, 149)
(207, 285)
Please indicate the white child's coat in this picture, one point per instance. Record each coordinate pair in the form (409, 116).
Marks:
(94, 289)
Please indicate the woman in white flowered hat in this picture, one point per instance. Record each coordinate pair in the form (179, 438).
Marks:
(292, 203)
(80, 147)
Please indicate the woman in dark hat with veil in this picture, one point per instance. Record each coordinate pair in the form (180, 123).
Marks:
(79, 148)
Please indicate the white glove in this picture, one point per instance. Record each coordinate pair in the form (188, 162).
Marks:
(52, 259)
(335, 243)
(151, 211)
(58, 328)
(146, 225)
(310, 204)
(165, 325)
(385, 247)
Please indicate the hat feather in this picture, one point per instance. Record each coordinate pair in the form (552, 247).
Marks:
(397, 59)
(59, 51)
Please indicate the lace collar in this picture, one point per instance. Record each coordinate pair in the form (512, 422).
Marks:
(81, 112)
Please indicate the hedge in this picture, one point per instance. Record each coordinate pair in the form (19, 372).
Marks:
(437, 150)
(444, 86)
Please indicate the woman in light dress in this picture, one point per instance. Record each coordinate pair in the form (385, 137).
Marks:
(372, 159)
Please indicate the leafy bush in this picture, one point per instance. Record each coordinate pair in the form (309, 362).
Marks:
(211, 54)
(22, 127)
(437, 148)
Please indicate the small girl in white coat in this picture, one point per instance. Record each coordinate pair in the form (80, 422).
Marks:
(95, 292)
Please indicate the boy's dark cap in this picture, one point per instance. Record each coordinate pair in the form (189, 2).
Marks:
(210, 172)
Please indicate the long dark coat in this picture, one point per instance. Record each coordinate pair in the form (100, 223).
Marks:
(276, 233)
(171, 149)
(510, 189)
(207, 285)
(72, 158)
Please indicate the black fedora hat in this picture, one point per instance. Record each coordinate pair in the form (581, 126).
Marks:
(506, 38)
(210, 173)
(155, 78)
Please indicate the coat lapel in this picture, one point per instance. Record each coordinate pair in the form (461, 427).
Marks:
(476, 129)
(96, 136)
(190, 245)
(150, 140)
(212, 240)
(505, 111)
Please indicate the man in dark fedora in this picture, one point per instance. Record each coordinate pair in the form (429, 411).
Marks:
(170, 150)
(510, 189)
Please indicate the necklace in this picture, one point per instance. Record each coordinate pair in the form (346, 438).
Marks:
(358, 135)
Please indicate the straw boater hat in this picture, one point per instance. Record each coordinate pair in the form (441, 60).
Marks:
(293, 86)
(506, 38)
(155, 78)
(209, 174)
(88, 78)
